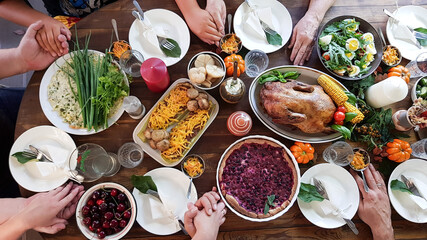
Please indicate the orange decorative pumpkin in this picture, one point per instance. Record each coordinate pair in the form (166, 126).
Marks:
(398, 150)
(229, 64)
(303, 152)
(399, 71)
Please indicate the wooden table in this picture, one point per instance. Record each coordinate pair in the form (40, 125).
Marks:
(217, 138)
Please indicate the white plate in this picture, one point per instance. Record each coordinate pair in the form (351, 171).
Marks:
(412, 168)
(308, 76)
(281, 19)
(172, 186)
(52, 115)
(342, 179)
(174, 28)
(291, 200)
(415, 16)
(156, 154)
(39, 136)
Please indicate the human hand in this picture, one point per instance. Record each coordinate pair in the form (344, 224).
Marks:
(44, 211)
(203, 25)
(218, 11)
(206, 226)
(302, 40)
(48, 37)
(374, 207)
(32, 56)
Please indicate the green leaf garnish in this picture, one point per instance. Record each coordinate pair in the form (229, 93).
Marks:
(83, 159)
(273, 39)
(278, 76)
(422, 41)
(349, 116)
(143, 183)
(269, 203)
(400, 186)
(20, 157)
(346, 133)
(175, 52)
(308, 193)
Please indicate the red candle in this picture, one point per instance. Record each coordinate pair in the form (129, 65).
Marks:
(155, 74)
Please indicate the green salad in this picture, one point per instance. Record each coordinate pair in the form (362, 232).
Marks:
(421, 88)
(345, 49)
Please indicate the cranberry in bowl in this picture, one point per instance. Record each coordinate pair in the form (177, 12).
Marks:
(106, 211)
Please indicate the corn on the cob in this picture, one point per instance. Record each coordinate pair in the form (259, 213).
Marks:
(332, 89)
(350, 108)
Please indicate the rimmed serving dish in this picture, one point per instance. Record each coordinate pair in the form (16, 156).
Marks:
(156, 154)
(308, 76)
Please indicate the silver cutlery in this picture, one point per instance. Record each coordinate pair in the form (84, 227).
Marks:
(322, 191)
(114, 23)
(411, 186)
(38, 151)
(412, 36)
(156, 195)
(264, 26)
(163, 42)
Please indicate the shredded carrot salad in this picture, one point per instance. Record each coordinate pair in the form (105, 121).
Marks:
(390, 56)
(358, 161)
(119, 47)
(182, 134)
(231, 45)
(167, 111)
(193, 166)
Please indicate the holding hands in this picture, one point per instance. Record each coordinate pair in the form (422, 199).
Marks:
(203, 219)
(51, 35)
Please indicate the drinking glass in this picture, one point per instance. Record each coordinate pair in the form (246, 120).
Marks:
(130, 62)
(130, 155)
(133, 107)
(339, 153)
(418, 67)
(115, 165)
(256, 61)
(92, 161)
(419, 149)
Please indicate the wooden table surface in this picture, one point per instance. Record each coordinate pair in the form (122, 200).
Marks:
(216, 139)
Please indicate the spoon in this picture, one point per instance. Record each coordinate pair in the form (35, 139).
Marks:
(137, 15)
(367, 161)
(192, 177)
(113, 21)
(228, 35)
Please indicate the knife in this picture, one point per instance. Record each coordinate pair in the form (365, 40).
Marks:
(411, 186)
(156, 195)
(141, 13)
(412, 36)
(322, 191)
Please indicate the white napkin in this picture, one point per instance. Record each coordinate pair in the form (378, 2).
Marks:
(157, 209)
(149, 35)
(422, 189)
(334, 205)
(402, 32)
(49, 170)
(252, 24)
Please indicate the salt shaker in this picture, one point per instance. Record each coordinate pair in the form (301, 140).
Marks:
(133, 107)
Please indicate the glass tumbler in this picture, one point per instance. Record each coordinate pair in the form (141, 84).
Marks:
(339, 153)
(130, 155)
(418, 67)
(133, 107)
(131, 61)
(256, 61)
(419, 149)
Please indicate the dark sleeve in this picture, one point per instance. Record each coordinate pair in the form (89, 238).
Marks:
(53, 7)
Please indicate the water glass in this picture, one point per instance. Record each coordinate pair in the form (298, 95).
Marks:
(256, 61)
(92, 161)
(419, 149)
(339, 153)
(131, 61)
(130, 155)
(133, 107)
(418, 67)
(115, 165)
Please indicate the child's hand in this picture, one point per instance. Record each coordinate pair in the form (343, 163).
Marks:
(47, 37)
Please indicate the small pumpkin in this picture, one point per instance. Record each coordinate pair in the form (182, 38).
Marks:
(398, 150)
(399, 71)
(303, 152)
(229, 61)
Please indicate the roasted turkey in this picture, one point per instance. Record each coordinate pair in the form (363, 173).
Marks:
(305, 106)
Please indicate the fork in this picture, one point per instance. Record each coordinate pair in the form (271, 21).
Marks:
(164, 42)
(264, 26)
(30, 154)
(322, 191)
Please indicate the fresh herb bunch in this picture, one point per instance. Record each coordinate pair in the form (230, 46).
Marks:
(100, 84)
(276, 75)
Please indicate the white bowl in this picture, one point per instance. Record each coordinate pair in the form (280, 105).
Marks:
(218, 61)
(83, 200)
(414, 89)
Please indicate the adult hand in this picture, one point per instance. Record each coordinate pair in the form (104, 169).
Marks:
(218, 11)
(47, 37)
(41, 213)
(203, 25)
(207, 226)
(32, 55)
(374, 206)
(302, 40)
